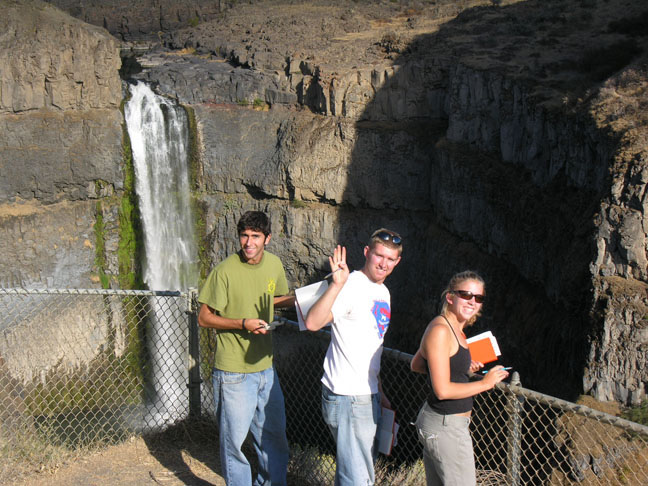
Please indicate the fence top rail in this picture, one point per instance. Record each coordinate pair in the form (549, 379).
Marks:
(578, 409)
(149, 293)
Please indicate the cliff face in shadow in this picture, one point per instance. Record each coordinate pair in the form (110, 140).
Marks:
(507, 139)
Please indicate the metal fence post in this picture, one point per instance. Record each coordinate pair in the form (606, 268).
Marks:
(514, 455)
(194, 355)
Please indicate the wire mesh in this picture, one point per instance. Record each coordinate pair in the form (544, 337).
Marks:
(81, 369)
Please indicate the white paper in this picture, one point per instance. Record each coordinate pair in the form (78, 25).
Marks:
(305, 297)
(387, 431)
(488, 335)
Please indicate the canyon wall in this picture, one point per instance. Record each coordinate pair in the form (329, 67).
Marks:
(145, 19)
(60, 143)
(382, 118)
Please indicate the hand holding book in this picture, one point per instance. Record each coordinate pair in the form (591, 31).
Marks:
(483, 347)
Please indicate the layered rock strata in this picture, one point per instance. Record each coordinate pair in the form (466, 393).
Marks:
(60, 143)
(523, 174)
(488, 142)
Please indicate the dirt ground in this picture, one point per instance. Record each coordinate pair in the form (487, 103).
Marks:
(136, 463)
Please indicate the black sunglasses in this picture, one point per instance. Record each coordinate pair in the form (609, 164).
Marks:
(467, 295)
(383, 235)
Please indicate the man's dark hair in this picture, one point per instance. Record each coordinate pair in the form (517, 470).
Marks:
(255, 221)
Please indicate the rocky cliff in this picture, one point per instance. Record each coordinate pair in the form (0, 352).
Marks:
(60, 143)
(504, 138)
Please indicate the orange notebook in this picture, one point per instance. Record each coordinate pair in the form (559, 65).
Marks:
(483, 347)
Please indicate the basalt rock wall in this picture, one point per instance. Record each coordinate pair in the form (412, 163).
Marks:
(525, 191)
(385, 165)
(143, 19)
(473, 165)
(60, 143)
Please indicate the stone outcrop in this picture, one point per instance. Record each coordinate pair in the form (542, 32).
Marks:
(60, 142)
(54, 62)
(145, 19)
(485, 140)
(617, 361)
(47, 245)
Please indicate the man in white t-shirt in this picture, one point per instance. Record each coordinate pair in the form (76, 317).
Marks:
(358, 307)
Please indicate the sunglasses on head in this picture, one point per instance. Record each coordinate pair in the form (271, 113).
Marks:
(467, 295)
(385, 236)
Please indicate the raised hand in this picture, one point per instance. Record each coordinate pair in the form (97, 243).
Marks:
(338, 265)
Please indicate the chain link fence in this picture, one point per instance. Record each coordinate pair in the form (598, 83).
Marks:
(83, 369)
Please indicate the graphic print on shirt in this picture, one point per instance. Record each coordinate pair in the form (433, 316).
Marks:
(382, 314)
(272, 285)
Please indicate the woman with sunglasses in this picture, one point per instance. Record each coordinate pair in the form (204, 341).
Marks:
(443, 421)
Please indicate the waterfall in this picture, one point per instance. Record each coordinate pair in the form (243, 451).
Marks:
(158, 132)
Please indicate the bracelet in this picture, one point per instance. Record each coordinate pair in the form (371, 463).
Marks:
(243, 324)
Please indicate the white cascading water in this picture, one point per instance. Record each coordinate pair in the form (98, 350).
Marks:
(158, 132)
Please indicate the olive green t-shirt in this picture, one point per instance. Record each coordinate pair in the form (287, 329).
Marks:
(236, 290)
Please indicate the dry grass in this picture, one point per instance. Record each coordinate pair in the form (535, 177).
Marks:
(24, 454)
(404, 475)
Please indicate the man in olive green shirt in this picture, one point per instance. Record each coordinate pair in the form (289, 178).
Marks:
(238, 301)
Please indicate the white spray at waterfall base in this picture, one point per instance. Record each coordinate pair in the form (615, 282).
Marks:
(158, 132)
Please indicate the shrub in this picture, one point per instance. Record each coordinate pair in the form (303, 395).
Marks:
(638, 414)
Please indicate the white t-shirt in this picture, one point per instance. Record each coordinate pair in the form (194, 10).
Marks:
(361, 314)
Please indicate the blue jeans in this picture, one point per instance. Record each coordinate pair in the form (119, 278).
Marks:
(353, 420)
(251, 402)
